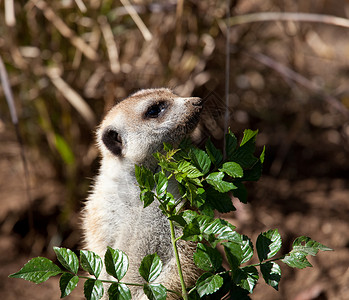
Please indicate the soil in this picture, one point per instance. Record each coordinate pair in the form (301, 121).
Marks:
(313, 206)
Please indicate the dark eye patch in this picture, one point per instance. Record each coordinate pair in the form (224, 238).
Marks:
(155, 110)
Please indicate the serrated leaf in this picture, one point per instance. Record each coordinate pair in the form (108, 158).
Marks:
(219, 201)
(216, 180)
(155, 291)
(67, 283)
(208, 284)
(254, 173)
(240, 192)
(190, 170)
(268, 244)
(93, 289)
(214, 154)
(178, 219)
(67, 258)
(207, 258)
(238, 252)
(151, 267)
(200, 160)
(191, 231)
(248, 136)
(161, 183)
(271, 273)
(246, 277)
(116, 263)
(37, 270)
(232, 169)
(91, 262)
(230, 144)
(144, 177)
(308, 246)
(119, 291)
(244, 153)
(147, 197)
(296, 260)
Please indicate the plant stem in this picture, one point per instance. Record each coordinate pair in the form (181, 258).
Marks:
(180, 273)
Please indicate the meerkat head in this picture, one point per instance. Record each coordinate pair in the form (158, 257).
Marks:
(139, 125)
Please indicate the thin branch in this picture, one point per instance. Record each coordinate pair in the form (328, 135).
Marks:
(72, 96)
(64, 30)
(110, 44)
(136, 18)
(288, 73)
(288, 16)
(10, 18)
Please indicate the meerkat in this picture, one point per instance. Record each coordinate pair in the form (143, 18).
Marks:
(113, 215)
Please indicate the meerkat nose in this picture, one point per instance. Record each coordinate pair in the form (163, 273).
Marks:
(196, 101)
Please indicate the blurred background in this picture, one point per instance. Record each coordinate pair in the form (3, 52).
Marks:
(69, 61)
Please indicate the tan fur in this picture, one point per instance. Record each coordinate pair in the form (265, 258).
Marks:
(114, 215)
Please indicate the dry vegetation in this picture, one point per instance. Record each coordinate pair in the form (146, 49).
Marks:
(69, 61)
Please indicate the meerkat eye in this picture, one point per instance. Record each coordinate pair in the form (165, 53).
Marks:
(155, 110)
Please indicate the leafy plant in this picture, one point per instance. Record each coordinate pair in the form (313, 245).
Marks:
(206, 180)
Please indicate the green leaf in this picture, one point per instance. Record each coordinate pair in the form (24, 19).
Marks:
(93, 289)
(155, 291)
(238, 252)
(192, 232)
(119, 291)
(151, 267)
(178, 219)
(67, 258)
(116, 263)
(249, 135)
(67, 283)
(268, 244)
(144, 177)
(230, 144)
(240, 192)
(190, 170)
(216, 180)
(200, 160)
(214, 154)
(271, 273)
(244, 154)
(37, 270)
(91, 262)
(147, 197)
(161, 183)
(308, 246)
(246, 277)
(302, 247)
(254, 173)
(219, 201)
(296, 260)
(232, 169)
(207, 258)
(208, 284)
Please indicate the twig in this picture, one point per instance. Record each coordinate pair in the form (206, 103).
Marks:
(64, 30)
(287, 16)
(300, 79)
(10, 18)
(227, 80)
(136, 18)
(81, 5)
(72, 96)
(11, 104)
(110, 43)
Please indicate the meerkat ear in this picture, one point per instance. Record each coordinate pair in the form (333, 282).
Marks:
(112, 141)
